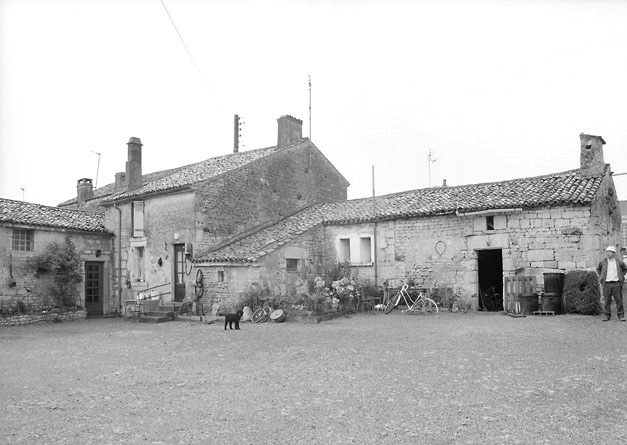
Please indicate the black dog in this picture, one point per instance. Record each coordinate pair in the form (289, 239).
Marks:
(233, 318)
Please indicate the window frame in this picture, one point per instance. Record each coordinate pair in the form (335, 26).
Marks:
(23, 240)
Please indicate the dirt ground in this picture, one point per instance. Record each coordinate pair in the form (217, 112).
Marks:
(476, 378)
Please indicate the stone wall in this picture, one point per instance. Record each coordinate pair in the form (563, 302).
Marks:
(443, 249)
(272, 270)
(266, 190)
(33, 291)
(22, 319)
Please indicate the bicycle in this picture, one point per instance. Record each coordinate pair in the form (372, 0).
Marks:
(421, 304)
(262, 314)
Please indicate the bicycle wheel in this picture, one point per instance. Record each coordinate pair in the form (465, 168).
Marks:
(426, 306)
(392, 304)
(259, 316)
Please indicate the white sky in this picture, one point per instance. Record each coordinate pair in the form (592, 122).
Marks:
(496, 90)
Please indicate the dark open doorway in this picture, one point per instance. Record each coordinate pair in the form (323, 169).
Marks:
(490, 264)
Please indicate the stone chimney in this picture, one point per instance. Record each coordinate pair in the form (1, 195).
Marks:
(591, 155)
(84, 190)
(134, 165)
(120, 182)
(290, 131)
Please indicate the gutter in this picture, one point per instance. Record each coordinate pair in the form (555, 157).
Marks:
(489, 212)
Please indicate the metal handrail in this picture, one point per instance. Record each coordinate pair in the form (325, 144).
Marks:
(150, 289)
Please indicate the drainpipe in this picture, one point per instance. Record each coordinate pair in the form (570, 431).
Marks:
(374, 235)
(119, 258)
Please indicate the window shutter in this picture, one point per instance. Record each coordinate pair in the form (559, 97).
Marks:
(138, 218)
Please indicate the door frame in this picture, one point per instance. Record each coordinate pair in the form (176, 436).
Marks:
(94, 308)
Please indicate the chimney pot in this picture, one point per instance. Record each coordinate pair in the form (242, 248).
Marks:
(444, 183)
(290, 131)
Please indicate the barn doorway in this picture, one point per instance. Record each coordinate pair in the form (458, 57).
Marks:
(490, 266)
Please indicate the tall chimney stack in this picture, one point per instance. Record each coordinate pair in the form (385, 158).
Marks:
(84, 190)
(591, 155)
(290, 131)
(134, 164)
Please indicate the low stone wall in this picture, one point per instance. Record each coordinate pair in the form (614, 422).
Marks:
(22, 319)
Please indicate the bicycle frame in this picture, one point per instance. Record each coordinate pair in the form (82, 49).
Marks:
(421, 303)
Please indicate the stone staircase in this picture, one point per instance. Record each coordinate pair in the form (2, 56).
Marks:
(153, 312)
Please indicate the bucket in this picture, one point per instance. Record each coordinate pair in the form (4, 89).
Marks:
(277, 316)
(528, 304)
(554, 283)
(552, 302)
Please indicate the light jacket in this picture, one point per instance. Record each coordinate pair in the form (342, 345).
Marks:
(602, 270)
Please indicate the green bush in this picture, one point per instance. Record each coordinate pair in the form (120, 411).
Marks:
(63, 263)
(256, 295)
(581, 293)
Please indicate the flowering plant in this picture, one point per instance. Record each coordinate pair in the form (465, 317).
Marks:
(344, 290)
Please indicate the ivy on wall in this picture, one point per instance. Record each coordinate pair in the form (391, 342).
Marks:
(62, 263)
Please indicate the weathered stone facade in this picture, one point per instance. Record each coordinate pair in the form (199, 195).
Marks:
(438, 236)
(18, 281)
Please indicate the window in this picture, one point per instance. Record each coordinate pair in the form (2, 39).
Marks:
(23, 239)
(138, 219)
(489, 222)
(345, 250)
(139, 263)
(291, 265)
(220, 276)
(365, 256)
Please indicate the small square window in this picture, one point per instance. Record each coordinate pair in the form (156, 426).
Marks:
(291, 265)
(489, 222)
(23, 239)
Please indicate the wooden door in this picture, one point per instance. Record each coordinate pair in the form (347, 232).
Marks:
(179, 272)
(93, 288)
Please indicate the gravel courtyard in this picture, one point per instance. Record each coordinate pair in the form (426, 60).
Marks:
(370, 378)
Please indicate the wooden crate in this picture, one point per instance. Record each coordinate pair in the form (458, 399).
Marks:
(514, 287)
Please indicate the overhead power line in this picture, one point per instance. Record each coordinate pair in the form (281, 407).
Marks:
(184, 45)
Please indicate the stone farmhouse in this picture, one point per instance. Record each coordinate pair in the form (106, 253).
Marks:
(468, 237)
(26, 229)
(161, 219)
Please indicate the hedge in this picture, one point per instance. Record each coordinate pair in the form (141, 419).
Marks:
(582, 293)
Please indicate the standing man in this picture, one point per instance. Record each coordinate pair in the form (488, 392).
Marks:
(611, 275)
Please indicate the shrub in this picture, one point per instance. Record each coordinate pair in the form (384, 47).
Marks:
(63, 263)
(255, 295)
(581, 293)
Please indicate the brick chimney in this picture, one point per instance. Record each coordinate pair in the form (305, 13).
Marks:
(134, 165)
(591, 155)
(290, 131)
(84, 190)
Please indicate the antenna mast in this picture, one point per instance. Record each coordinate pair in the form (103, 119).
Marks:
(310, 107)
(430, 161)
(97, 169)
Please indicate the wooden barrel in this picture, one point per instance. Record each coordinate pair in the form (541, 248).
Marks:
(277, 316)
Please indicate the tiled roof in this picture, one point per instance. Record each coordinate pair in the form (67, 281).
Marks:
(19, 212)
(556, 189)
(182, 176)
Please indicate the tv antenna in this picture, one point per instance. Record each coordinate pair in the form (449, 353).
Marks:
(431, 160)
(98, 169)
(22, 189)
(310, 107)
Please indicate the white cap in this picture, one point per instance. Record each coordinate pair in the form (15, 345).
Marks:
(611, 249)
